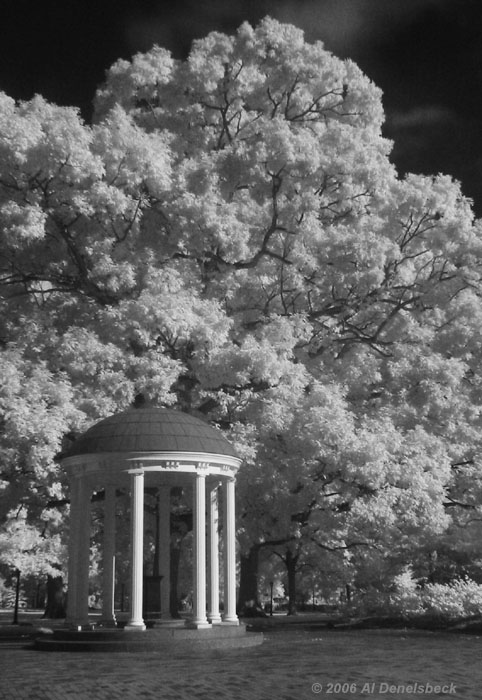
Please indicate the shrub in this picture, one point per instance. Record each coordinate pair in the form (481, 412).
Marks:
(406, 599)
(458, 599)
(442, 603)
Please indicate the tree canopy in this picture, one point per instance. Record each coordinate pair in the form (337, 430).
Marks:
(230, 237)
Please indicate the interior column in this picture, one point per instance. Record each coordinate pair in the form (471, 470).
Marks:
(164, 535)
(229, 616)
(137, 549)
(213, 610)
(199, 618)
(108, 577)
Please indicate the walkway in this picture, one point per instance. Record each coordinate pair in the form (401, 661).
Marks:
(292, 664)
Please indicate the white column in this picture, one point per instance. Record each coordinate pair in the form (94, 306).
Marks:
(229, 616)
(108, 577)
(164, 535)
(137, 550)
(73, 551)
(83, 554)
(199, 618)
(213, 610)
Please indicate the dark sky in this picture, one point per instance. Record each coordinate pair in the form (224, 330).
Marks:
(426, 55)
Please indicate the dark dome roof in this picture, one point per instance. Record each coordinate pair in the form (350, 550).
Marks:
(151, 430)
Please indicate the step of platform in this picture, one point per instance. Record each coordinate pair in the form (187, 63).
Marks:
(155, 639)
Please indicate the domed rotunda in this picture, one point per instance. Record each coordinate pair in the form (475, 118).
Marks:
(158, 449)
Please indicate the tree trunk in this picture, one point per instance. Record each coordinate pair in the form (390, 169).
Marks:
(39, 596)
(17, 597)
(248, 584)
(56, 600)
(291, 560)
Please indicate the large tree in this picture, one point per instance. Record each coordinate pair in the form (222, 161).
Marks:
(230, 237)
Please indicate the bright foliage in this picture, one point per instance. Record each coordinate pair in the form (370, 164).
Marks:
(230, 238)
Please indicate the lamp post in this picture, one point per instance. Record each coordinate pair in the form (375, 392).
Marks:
(271, 598)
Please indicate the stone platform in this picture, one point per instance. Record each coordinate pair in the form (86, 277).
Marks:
(162, 638)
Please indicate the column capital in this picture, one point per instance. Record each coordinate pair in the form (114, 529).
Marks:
(138, 469)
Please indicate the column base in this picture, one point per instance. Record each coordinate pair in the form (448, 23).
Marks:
(215, 619)
(198, 624)
(137, 626)
(230, 621)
